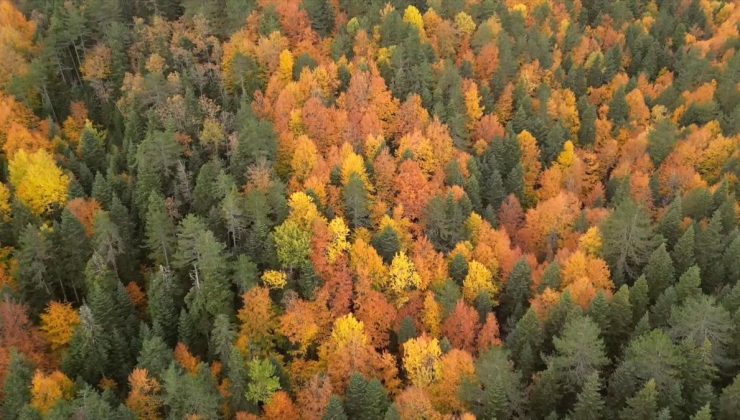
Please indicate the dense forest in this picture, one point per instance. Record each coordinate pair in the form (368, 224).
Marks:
(369, 209)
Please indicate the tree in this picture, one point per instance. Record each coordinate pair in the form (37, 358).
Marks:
(321, 13)
(579, 353)
(709, 247)
(643, 405)
(356, 201)
(699, 320)
(49, 390)
(683, 251)
(402, 277)
(516, 295)
(59, 321)
(262, 381)
(628, 241)
(39, 184)
(387, 244)
(496, 390)
(335, 410)
(589, 403)
(160, 231)
(366, 399)
(728, 402)
(659, 271)
(17, 386)
(143, 400)
(525, 341)
(421, 360)
(478, 280)
(280, 407)
(661, 140)
(461, 327)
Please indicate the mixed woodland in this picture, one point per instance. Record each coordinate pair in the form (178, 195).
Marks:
(369, 209)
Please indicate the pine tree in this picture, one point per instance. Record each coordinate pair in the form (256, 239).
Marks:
(628, 241)
(587, 130)
(598, 311)
(387, 244)
(159, 230)
(683, 251)
(496, 390)
(659, 272)
(516, 296)
(670, 224)
(356, 202)
(579, 352)
(589, 404)
(689, 284)
(709, 248)
(620, 319)
(34, 257)
(366, 400)
(155, 356)
(732, 260)
(335, 410)
(73, 250)
(642, 406)
(321, 14)
(639, 298)
(618, 108)
(729, 401)
(551, 277)
(17, 386)
(525, 342)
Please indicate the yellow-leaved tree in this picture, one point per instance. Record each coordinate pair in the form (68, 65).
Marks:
(421, 360)
(402, 277)
(39, 184)
(478, 280)
(48, 390)
(339, 244)
(59, 321)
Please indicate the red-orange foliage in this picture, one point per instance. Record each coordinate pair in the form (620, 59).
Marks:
(489, 334)
(186, 360)
(280, 407)
(85, 210)
(461, 327)
(16, 331)
(314, 397)
(374, 310)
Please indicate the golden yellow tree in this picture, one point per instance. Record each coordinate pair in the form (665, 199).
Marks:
(531, 163)
(421, 360)
(478, 280)
(402, 277)
(338, 244)
(285, 66)
(48, 390)
(39, 184)
(59, 321)
(274, 279)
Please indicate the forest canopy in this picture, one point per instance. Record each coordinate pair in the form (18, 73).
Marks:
(369, 209)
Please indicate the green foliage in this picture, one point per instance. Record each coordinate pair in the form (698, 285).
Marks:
(262, 381)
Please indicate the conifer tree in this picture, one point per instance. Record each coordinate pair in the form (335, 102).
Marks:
(589, 403)
(683, 251)
(366, 400)
(516, 295)
(17, 386)
(659, 272)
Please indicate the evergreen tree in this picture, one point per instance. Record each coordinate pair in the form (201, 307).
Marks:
(356, 202)
(642, 406)
(639, 298)
(589, 403)
(321, 14)
(525, 342)
(17, 386)
(659, 272)
(160, 231)
(496, 391)
(628, 241)
(366, 400)
(387, 244)
(335, 410)
(709, 248)
(516, 296)
(683, 251)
